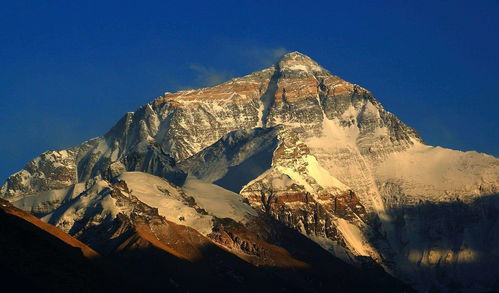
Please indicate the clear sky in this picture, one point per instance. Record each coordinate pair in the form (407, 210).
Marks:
(70, 69)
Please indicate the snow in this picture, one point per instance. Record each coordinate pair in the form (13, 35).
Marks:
(295, 176)
(109, 206)
(115, 152)
(321, 175)
(46, 201)
(353, 236)
(314, 170)
(338, 144)
(151, 190)
(299, 67)
(158, 193)
(281, 183)
(101, 147)
(142, 184)
(370, 109)
(298, 61)
(92, 199)
(236, 159)
(168, 199)
(435, 173)
(177, 212)
(334, 135)
(261, 109)
(218, 201)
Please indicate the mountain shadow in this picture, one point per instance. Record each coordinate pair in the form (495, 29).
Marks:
(450, 247)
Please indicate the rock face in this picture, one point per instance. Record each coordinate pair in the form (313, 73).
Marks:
(293, 143)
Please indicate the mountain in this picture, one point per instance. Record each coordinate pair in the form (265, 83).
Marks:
(250, 165)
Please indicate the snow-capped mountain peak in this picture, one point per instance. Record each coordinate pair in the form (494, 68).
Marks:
(296, 61)
(294, 143)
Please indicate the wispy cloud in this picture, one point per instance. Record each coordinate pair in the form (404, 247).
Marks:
(207, 76)
(242, 57)
(262, 56)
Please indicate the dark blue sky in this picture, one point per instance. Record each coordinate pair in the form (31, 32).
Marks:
(70, 69)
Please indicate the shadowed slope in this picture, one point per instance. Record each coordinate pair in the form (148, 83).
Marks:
(35, 256)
